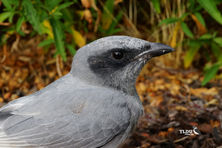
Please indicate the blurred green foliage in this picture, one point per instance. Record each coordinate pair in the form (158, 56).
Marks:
(55, 19)
(68, 24)
(204, 39)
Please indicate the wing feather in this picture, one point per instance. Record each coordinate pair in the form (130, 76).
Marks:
(94, 126)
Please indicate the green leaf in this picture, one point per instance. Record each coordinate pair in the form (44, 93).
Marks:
(11, 17)
(156, 5)
(19, 23)
(57, 14)
(109, 5)
(51, 4)
(216, 51)
(183, 16)
(116, 30)
(218, 1)
(21, 33)
(211, 7)
(218, 40)
(107, 15)
(58, 37)
(112, 29)
(191, 4)
(186, 30)
(7, 4)
(71, 49)
(67, 15)
(45, 42)
(31, 15)
(206, 36)
(4, 16)
(211, 73)
(194, 46)
(169, 21)
(200, 18)
(62, 6)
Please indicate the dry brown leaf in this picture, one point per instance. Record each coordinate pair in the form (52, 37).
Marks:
(5, 53)
(212, 102)
(78, 38)
(159, 85)
(51, 74)
(116, 2)
(141, 87)
(203, 91)
(194, 123)
(214, 123)
(13, 84)
(145, 135)
(14, 96)
(7, 95)
(1, 100)
(156, 101)
(4, 76)
(25, 73)
(15, 43)
(201, 29)
(162, 134)
(173, 88)
(88, 16)
(173, 42)
(181, 108)
(24, 58)
(145, 145)
(86, 3)
(170, 129)
(1, 83)
(40, 86)
(206, 128)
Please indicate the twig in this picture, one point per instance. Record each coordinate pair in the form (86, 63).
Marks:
(15, 44)
(181, 139)
(58, 66)
(5, 24)
(4, 53)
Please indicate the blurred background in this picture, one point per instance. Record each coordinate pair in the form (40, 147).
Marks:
(179, 91)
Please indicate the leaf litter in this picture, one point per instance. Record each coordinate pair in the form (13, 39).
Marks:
(173, 99)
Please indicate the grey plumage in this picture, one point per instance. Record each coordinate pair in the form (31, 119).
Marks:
(95, 105)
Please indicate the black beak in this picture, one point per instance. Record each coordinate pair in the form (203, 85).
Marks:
(155, 49)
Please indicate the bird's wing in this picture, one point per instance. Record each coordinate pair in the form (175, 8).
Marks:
(92, 122)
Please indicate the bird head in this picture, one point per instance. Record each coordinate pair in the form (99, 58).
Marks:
(115, 61)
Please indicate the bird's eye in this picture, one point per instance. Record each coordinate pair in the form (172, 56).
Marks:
(117, 55)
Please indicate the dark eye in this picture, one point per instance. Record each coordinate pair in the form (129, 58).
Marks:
(117, 55)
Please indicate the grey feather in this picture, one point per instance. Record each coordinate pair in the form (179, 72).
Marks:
(93, 106)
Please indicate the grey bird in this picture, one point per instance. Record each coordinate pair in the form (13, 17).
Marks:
(94, 105)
